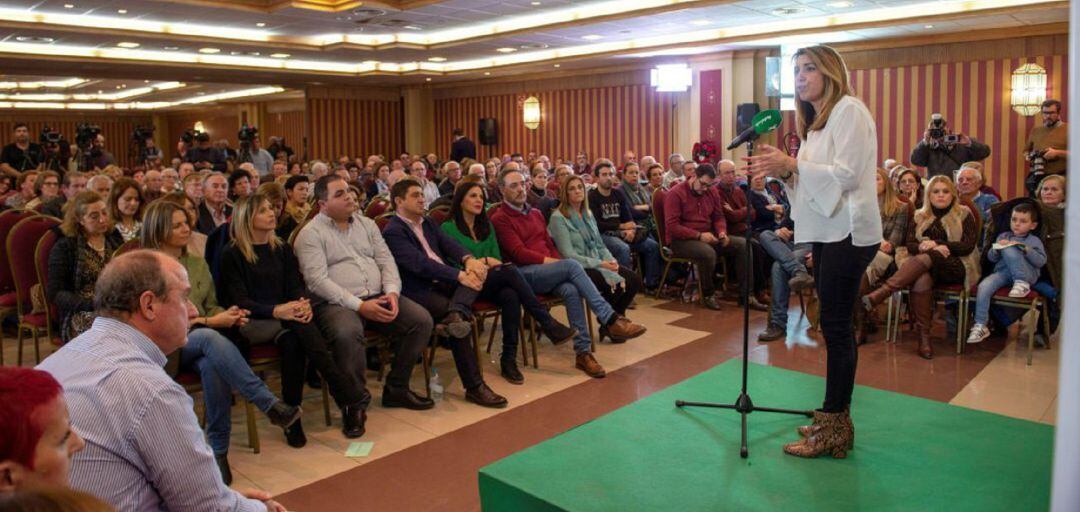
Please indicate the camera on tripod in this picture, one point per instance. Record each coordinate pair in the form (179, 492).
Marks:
(247, 134)
(142, 133)
(49, 136)
(189, 135)
(86, 134)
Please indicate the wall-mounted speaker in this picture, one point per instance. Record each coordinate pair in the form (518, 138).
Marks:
(487, 132)
(744, 115)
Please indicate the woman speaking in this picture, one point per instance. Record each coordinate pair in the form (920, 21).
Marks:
(835, 208)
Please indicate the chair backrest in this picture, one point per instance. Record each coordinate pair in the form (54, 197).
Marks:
(128, 246)
(21, 244)
(296, 232)
(41, 264)
(658, 214)
(312, 212)
(383, 220)
(8, 219)
(1000, 222)
(439, 214)
(378, 206)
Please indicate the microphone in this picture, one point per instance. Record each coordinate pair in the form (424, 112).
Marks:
(764, 122)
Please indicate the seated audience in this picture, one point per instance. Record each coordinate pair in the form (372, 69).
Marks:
(52, 499)
(418, 171)
(675, 172)
(620, 233)
(524, 241)
(895, 215)
(539, 195)
(87, 244)
(100, 184)
(7, 188)
(573, 228)
(214, 209)
(940, 240)
(1018, 256)
(969, 182)
(355, 285)
(379, 186)
(260, 274)
(152, 184)
(37, 440)
(696, 229)
(297, 206)
(451, 172)
(738, 216)
(46, 190)
(428, 260)
(910, 186)
(125, 208)
(25, 193)
(775, 232)
(74, 183)
(197, 241)
(469, 225)
(240, 183)
(639, 197)
(170, 180)
(654, 177)
(144, 448)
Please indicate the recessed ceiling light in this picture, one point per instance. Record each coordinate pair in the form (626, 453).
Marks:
(99, 91)
(236, 53)
(413, 27)
(558, 65)
(121, 11)
(34, 39)
(533, 46)
(487, 73)
(170, 48)
(928, 26)
(427, 79)
(592, 37)
(280, 55)
(128, 44)
(209, 50)
(701, 23)
(69, 6)
(437, 59)
(787, 11)
(254, 54)
(118, 87)
(506, 50)
(839, 5)
(535, 3)
(145, 81)
(260, 24)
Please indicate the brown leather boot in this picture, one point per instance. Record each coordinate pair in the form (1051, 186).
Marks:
(807, 430)
(623, 328)
(587, 363)
(832, 436)
(907, 274)
(922, 305)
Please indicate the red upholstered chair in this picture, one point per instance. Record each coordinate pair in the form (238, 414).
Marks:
(8, 219)
(665, 251)
(21, 244)
(383, 220)
(128, 246)
(439, 214)
(377, 207)
(1032, 302)
(312, 212)
(41, 264)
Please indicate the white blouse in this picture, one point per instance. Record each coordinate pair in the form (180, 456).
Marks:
(835, 190)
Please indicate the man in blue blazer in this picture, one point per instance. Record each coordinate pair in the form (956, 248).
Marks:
(426, 257)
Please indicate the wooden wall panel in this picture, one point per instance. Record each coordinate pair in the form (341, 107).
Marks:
(353, 127)
(116, 128)
(285, 124)
(220, 123)
(602, 121)
(973, 96)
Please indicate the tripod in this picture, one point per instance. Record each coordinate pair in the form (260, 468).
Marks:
(743, 405)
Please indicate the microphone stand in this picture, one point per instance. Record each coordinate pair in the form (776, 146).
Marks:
(743, 405)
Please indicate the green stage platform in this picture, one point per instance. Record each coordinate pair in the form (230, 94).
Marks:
(910, 454)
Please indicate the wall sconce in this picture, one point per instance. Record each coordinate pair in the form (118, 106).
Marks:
(199, 127)
(531, 113)
(1028, 89)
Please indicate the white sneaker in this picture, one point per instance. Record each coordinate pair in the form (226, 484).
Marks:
(1020, 289)
(978, 333)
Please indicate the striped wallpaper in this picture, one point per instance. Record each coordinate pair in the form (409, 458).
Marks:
(117, 129)
(972, 96)
(353, 127)
(285, 124)
(603, 121)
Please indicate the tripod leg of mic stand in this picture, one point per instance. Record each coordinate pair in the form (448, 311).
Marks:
(808, 414)
(744, 450)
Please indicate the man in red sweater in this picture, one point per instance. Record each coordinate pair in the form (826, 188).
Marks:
(524, 241)
(697, 230)
(739, 215)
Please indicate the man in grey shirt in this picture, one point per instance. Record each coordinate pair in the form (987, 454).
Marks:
(352, 274)
(144, 448)
(259, 157)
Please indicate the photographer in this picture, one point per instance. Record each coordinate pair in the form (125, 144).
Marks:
(91, 154)
(942, 152)
(1048, 142)
(205, 156)
(277, 146)
(21, 155)
(250, 150)
(57, 151)
(226, 151)
(150, 155)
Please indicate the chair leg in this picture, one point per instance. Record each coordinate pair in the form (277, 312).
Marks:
(701, 287)
(19, 337)
(491, 335)
(592, 332)
(802, 306)
(253, 431)
(37, 346)
(1046, 321)
(325, 401)
(663, 278)
(429, 361)
(476, 343)
(1031, 336)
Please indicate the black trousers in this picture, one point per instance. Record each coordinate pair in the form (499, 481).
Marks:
(838, 268)
(506, 287)
(619, 298)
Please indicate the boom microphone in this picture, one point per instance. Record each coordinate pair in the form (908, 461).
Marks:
(764, 122)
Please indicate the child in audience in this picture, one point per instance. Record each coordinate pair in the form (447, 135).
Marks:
(1018, 255)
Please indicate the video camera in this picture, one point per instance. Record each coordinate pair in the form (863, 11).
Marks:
(86, 134)
(49, 136)
(188, 137)
(142, 133)
(247, 134)
(1038, 160)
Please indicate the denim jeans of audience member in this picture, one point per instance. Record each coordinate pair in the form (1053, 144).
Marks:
(783, 251)
(567, 279)
(222, 369)
(1012, 266)
(647, 249)
(1005, 316)
(781, 293)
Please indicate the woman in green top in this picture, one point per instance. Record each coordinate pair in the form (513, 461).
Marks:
(167, 228)
(469, 225)
(574, 231)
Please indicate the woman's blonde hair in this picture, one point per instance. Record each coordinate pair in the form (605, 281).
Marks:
(75, 211)
(242, 226)
(927, 208)
(564, 197)
(1053, 177)
(158, 224)
(890, 200)
(834, 71)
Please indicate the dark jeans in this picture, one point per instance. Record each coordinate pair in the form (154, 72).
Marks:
(506, 288)
(838, 269)
(619, 298)
(440, 300)
(704, 256)
(409, 333)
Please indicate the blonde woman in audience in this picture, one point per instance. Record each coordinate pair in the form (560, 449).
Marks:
(76, 260)
(197, 244)
(894, 225)
(209, 352)
(125, 207)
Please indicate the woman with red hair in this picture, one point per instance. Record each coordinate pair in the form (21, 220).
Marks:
(36, 439)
